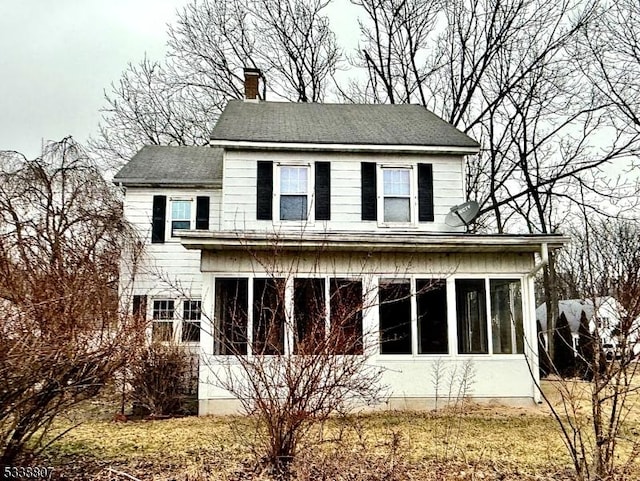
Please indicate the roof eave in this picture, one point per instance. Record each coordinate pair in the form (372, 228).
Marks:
(129, 182)
(360, 242)
(310, 146)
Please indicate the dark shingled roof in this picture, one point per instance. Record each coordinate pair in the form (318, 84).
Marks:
(364, 124)
(173, 165)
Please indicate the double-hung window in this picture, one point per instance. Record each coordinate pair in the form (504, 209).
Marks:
(191, 316)
(180, 215)
(294, 192)
(163, 315)
(396, 193)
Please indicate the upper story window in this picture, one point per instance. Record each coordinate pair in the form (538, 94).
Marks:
(294, 192)
(396, 192)
(183, 214)
(180, 215)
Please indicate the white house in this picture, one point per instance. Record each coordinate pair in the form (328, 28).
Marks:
(333, 196)
(605, 317)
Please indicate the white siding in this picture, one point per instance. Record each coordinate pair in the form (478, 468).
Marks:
(408, 376)
(167, 268)
(239, 187)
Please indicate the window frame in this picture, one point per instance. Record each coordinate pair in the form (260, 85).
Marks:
(192, 215)
(197, 323)
(310, 193)
(412, 196)
(171, 321)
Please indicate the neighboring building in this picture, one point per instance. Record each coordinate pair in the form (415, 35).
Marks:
(605, 317)
(328, 197)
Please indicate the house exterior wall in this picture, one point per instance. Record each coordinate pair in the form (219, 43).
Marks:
(409, 377)
(239, 189)
(164, 265)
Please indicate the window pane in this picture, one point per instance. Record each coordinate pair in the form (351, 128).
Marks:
(162, 327)
(268, 316)
(191, 314)
(293, 180)
(293, 207)
(163, 309)
(471, 316)
(395, 317)
(181, 210)
(431, 300)
(396, 210)
(506, 316)
(346, 316)
(230, 316)
(309, 314)
(396, 182)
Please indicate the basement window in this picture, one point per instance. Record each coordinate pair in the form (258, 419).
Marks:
(394, 298)
(230, 316)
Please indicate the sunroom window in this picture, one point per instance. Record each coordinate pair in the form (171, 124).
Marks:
(506, 316)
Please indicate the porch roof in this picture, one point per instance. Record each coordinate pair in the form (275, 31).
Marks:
(369, 241)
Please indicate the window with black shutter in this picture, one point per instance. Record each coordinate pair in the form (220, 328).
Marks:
(158, 219)
(425, 193)
(323, 190)
(202, 213)
(264, 191)
(368, 191)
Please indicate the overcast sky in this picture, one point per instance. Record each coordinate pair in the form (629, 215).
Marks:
(58, 56)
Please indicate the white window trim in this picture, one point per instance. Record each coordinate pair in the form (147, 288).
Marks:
(177, 320)
(169, 221)
(413, 195)
(309, 221)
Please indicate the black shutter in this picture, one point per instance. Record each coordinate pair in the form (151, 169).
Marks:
(139, 307)
(368, 191)
(264, 191)
(202, 213)
(323, 191)
(425, 193)
(158, 218)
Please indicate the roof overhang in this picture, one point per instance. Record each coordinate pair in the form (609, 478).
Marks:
(296, 146)
(369, 242)
(133, 182)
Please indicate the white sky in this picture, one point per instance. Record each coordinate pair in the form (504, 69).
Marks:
(58, 56)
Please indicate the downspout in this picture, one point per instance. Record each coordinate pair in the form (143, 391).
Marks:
(544, 260)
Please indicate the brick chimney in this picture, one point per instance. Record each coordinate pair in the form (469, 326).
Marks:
(251, 77)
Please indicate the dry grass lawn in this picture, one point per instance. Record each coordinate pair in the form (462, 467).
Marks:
(482, 442)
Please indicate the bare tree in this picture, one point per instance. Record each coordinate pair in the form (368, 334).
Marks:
(61, 338)
(177, 101)
(608, 279)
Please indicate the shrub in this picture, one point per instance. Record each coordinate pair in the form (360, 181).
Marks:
(161, 379)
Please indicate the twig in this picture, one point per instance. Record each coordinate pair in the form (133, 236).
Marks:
(121, 473)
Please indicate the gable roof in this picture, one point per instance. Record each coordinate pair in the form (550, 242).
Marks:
(173, 166)
(348, 124)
